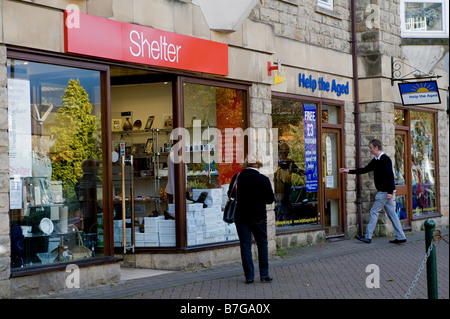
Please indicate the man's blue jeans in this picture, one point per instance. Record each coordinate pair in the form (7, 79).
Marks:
(259, 231)
(381, 202)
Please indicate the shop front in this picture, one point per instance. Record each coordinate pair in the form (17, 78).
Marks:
(96, 139)
(308, 188)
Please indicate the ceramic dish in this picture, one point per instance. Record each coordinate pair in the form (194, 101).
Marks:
(46, 226)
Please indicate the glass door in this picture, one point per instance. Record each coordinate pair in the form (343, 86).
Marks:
(401, 177)
(332, 217)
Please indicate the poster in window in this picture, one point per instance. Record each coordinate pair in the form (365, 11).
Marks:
(311, 169)
(19, 127)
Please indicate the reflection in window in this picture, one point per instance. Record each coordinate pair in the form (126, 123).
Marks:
(399, 165)
(400, 206)
(399, 117)
(330, 114)
(212, 157)
(55, 163)
(423, 163)
(423, 16)
(294, 204)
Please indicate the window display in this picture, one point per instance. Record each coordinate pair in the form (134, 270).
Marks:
(423, 164)
(212, 157)
(55, 163)
(296, 193)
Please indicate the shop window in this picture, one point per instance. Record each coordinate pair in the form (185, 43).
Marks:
(424, 18)
(423, 163)
(215, 122)
(400, 117)
(330, 114)
(295, 194)
(55, 163)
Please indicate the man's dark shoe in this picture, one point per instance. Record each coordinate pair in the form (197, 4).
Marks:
(398, 241)
(249, 281)
(364, 239)
(266, 279)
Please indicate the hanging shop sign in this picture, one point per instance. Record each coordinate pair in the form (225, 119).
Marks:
(110, 39)
(311, 168)
(321, 84)
(419, 93)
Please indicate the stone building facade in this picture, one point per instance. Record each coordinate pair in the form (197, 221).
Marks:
(308, 39)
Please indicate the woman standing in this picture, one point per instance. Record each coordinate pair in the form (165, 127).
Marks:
(254, 192)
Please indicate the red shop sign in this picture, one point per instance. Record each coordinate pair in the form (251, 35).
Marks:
(105, 38)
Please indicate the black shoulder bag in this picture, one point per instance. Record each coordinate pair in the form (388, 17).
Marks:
(230, 207)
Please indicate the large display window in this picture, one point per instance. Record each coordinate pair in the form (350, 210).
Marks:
(296, 176)
(55, 163)
(215, 120)
(416, 164)
(147, 148)
(423, 164)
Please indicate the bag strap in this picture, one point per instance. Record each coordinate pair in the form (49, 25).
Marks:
(235, 186)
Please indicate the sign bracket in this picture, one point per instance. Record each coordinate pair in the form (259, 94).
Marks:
(396, 72)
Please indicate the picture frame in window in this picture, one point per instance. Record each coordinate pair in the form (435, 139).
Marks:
(116, 125)
(149, 123)
(149, 146)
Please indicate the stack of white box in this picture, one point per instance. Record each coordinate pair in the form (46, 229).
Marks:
(118, 233)
(166, 230)
(214, 196)
(225, 188)
(150, 236)
(195, 221)
(230, 232)
(214, 228)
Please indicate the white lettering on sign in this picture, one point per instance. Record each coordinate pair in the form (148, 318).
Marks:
(157, 50)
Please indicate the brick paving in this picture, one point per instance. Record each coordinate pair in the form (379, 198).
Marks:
(333, 270)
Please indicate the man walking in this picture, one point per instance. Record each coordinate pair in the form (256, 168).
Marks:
(381, 166)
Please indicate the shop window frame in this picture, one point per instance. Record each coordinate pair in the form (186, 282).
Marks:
(407, 127)
(179, 171)
(319, 103)
(56, 59)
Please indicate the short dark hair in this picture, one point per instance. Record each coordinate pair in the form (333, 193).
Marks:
(376, 143)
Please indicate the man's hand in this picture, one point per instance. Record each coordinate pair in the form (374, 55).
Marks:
(343, 170)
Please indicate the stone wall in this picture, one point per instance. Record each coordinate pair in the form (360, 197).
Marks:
(5, 250)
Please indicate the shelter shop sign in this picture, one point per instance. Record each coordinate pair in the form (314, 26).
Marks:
(104, 38)
(322, 85)
(419, 93)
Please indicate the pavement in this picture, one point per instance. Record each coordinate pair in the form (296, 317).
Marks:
(343, 269)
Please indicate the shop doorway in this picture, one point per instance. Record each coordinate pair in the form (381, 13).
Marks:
(141, 123)
(332, 217)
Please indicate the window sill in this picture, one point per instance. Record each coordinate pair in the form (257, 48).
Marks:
(328, 12)
(29, 271)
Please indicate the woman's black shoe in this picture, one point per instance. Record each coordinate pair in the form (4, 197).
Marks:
(266, 279)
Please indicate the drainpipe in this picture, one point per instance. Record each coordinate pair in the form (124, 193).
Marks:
(357, 118)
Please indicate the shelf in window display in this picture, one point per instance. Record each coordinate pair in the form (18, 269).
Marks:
(140, 132)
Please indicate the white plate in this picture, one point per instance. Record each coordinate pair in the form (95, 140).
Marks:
(46, 226)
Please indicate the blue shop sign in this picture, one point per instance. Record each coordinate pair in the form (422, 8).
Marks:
(311, 160)
(322, 85)
(419, 93)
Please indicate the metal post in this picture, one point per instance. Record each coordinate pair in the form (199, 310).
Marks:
(431, 262)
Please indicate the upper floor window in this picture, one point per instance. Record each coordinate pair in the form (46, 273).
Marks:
(327, 4)
(424, 18)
